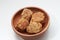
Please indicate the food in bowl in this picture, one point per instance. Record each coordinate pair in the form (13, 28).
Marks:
(30, 21)
(23, 33)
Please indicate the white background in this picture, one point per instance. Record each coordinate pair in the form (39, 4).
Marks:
(9, 7)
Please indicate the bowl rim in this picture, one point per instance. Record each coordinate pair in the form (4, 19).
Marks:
(33, 34)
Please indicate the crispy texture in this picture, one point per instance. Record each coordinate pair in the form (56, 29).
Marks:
(22, 24)
(34, 27)
(27, 13)
(38, 17)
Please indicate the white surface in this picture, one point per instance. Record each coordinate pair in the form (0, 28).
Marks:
(9, 7)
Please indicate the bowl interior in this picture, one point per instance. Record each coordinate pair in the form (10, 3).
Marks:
(17, 16)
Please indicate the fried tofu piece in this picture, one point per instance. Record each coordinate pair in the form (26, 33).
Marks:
(27, 13)
(38, 17)
(34, 27)
(22, 24)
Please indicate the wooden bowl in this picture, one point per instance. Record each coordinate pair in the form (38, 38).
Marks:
(25, 35)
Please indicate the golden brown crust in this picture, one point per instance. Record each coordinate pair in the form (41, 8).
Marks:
(27, 13)
(22, 24)
(34, 27)
(38, 17)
